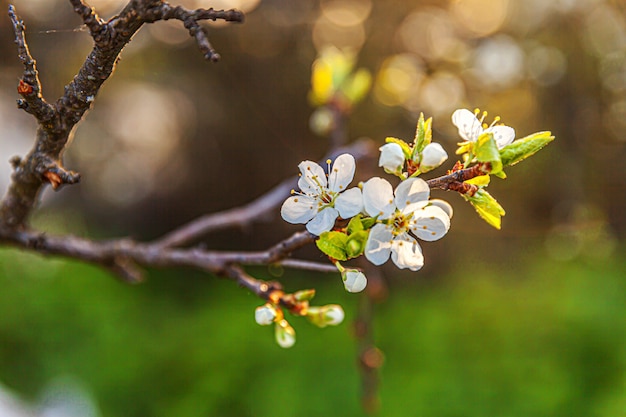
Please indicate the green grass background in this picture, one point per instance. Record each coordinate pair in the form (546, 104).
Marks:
(535, 338)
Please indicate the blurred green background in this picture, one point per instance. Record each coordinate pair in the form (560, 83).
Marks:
(526, 321)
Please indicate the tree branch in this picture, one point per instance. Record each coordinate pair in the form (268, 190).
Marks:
(122, 256)
(43, 163)
(256, 209)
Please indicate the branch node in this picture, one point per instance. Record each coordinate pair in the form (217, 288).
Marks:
(127, 270)
(24, 89)
(56, 176)
(15, 161)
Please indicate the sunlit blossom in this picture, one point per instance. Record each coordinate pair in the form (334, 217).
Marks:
(404, 215)
(323, 198)
(471, 127)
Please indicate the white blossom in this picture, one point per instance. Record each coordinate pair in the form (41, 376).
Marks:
(470, 128)
(403, 215)
(323, 199)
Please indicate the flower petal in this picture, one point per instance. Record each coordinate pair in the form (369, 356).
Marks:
(323, 221)
(349, 203)
(378, 198)
(298, 209)
(406, 253)
(342, 173)
(467, 123)
(354, 280)
(442, 204)
(433, 155)
(412, 195)
(430, 223)
(391, 158)
(378, 246)
(503, 135)
(312, 178)
(265, 314)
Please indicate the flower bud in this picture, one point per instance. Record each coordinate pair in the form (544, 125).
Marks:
(285, 334)
(333, 313)
(304, 295)
(433, 155)
(354, 280)
(265, 314)
(329, 315)
(391, 158)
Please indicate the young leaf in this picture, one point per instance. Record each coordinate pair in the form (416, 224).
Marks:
(355, 224)
(423, 134)
(525, 147)
(406, 149)
(480, 181)
(333, 244)
(487, 207)
(355, 246)
(486, 150)
(368, 222)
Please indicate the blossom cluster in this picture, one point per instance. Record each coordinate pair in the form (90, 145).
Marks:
(381, 221)
(384, 222)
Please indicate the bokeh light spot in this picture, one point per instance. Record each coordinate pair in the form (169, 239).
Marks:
(546, 65)
(325, 33)
(398, 79)
(440, 94)
(431, 34)
(346, 12)
(480, 17)
(498, 61)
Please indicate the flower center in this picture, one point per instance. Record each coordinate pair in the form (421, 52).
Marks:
(400, 222)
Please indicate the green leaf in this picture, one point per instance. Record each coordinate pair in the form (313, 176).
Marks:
(486, 150)
(525, 147)
(406, 149)
(487, 207)
(333, 244)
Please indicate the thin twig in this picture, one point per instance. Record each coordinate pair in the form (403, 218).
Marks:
(256, 209)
